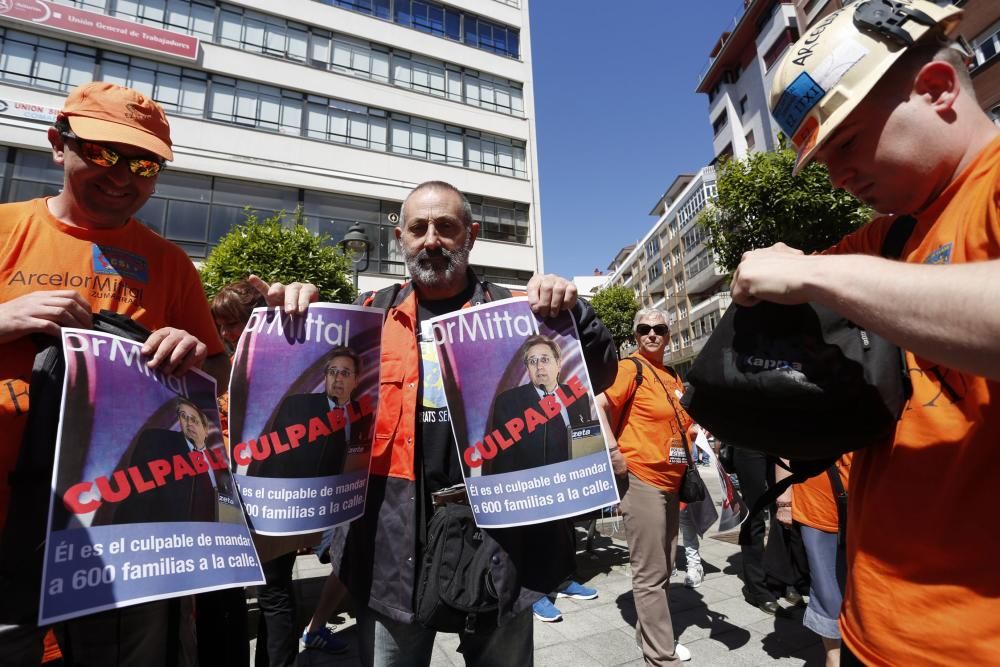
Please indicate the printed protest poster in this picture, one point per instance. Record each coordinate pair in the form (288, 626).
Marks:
(144, 504)
(302, 401)
(734, 511)
(523, 414)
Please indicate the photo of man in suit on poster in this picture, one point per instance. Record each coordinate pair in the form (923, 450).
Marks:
(185, 497)
(549, 442)
(326, 455)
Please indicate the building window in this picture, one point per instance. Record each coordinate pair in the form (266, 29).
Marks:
(178, 89)
(89, 5)
(743, 105)
(719, 123)
(46, 63)
(498, 155)
(377, 8)
(652, 247)
(33, 175)
(504, 276)
(194, 18)
(441, 21)
(256, 105)
(986, 47)
(500, 221)
(36, 61)
(494, 93)
(751, 141)
(426, 139)
(699, 263)
(787, 37)
(427, 76)
(195, 211)
(270, 35)
(693, 238)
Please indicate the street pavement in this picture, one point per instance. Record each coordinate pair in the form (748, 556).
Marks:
(713, 621)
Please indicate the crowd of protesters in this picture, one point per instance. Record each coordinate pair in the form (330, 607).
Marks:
(902, 574)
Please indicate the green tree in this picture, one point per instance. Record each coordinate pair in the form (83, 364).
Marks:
(760, 203)
(616, 306)
(277, 251)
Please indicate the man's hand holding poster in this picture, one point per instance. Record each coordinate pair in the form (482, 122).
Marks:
(302, 402)
(523, 414)
(145, 505)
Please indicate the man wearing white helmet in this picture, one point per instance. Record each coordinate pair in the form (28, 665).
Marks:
(879, 93)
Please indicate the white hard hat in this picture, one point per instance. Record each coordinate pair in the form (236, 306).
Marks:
(831, 68)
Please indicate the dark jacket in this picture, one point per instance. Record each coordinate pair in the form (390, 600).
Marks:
(320, 458)
(190, 498)
(380, 558)
(548, 443)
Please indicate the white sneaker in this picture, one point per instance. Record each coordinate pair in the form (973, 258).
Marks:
(695, 575)
(682, 653)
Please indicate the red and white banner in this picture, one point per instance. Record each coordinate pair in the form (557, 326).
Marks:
(99, 26)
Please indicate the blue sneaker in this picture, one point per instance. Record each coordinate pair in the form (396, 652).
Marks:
(545, 611)
(323, 640)
(577, 592)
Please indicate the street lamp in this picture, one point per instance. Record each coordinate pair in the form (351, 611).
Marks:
(356, 246)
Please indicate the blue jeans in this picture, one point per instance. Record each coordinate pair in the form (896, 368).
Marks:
(384, 642)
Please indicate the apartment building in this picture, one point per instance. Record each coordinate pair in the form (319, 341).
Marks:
(737, 79)
(335, 106)
(672, 268)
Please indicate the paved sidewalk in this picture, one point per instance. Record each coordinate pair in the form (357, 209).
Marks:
(713, 620)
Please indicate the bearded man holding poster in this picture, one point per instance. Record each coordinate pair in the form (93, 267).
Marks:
(414, 452)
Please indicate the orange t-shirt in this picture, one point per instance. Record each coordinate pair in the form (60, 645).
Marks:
(651, 439)
(923, 586)
(129, 270)
(813, 501)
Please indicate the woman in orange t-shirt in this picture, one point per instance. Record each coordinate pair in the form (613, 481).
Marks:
(647, 452)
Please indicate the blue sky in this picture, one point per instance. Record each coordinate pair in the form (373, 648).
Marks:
(617, 117)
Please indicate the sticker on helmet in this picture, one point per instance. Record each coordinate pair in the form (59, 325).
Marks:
(801, 95)
(838, 63)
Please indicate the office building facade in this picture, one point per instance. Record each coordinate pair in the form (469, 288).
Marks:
(337, 107)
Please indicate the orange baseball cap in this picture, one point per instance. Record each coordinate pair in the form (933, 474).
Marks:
(100, 111)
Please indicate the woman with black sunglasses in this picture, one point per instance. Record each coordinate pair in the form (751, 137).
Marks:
(648, 441)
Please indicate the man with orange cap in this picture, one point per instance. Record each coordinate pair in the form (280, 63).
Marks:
(879, 91)
(62, 258)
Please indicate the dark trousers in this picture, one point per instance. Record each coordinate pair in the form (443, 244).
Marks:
(755, 473)
(222, 628)
(848, 659)
(277, 635)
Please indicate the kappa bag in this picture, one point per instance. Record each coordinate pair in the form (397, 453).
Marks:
(23, 540)
(455, 591)
(800, 382)
(797, 382)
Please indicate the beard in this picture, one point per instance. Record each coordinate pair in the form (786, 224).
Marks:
(427, 268)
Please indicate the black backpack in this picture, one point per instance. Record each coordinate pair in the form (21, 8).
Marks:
(799, 382)
(455, 591)
(23, 543)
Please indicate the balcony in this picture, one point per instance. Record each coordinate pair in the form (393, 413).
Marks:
(717, 303)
